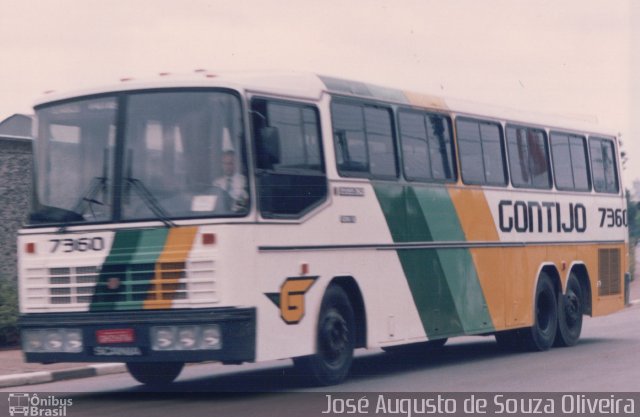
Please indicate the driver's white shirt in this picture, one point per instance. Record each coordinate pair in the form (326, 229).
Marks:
(235, 185)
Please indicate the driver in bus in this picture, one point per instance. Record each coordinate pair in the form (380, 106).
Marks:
(233, 182)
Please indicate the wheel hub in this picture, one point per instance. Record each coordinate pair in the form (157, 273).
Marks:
(571, 307)
(335, 336)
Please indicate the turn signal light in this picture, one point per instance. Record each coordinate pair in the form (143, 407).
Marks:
(30, 247)
(208, 239)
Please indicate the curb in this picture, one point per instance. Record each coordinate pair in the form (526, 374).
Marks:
(41, 377)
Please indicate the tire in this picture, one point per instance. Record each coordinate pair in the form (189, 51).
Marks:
(155, 373)
(335, 340)
(570, 311)
(542, 334)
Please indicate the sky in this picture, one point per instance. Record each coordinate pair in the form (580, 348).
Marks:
(569, 58)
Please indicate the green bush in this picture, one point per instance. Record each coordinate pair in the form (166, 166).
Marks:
(8, 313)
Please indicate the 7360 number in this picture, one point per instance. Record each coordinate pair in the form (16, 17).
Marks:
(83, 244)
(612, 217)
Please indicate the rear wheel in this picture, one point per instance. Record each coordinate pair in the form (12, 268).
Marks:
(155, 373)
(570, 310)
(335, 340)
(541, 335)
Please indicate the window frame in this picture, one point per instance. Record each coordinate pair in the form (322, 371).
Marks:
(610, 140)
(122, 98)
(505, 171)
(453, 160)
(301, 104)
(585, 147)
(547, 156)
(363, 105)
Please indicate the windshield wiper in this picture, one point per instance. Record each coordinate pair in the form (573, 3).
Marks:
(76, 214)
(96, 185)
(88, 198)
(151, 202)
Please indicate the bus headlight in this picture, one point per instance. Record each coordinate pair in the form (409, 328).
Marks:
(211, 337)
(73, 341)
(52, 340)
(163, 338)
(207, 337)
(187, 337)
(33, 340)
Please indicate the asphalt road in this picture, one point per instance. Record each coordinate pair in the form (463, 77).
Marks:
(605, 360)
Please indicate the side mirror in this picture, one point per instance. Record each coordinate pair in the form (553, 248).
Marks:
(269, 147)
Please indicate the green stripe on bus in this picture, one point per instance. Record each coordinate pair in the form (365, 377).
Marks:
(422, 267)
(130, 263)
(458, 266)
(150, 246)
(114, 267)
(443, 282)
(142, 267)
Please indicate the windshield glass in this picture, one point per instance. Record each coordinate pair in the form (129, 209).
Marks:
(184, 156)
(180, 155)
(74, 161)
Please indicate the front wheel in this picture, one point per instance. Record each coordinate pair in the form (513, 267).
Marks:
(155, 373)
(570, 310)
(335, 340)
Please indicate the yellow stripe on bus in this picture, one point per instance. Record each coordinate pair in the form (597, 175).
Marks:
(510, 298)
(477, 223)
(474, 214)
(170, 267)
(510, 295)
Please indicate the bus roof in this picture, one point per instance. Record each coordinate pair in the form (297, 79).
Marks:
(310, 86)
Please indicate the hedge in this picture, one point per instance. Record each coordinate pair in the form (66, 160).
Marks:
(9, 335)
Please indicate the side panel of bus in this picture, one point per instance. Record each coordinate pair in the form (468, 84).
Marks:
(429, 260)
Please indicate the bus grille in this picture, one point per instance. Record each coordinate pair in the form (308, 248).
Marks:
(609, 277)
(137, 286)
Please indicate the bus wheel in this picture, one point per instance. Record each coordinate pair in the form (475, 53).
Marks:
(335, 340)
(541, 335)
(155, 373)
(570, 310)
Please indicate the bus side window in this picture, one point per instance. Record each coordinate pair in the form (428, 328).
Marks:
(481, 152)
(570, 165)
(603, 166)
(427, 147)
(382, 159)
(290, 170)
(528, 160)
(364, 143)
(350, 140)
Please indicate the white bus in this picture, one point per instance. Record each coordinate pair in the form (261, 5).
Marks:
(255, 217)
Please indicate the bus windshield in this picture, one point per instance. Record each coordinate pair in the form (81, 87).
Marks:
(141, 156)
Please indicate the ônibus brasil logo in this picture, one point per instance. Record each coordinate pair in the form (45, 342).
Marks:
(32, 405)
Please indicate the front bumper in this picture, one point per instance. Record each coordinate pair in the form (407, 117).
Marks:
(237, 328)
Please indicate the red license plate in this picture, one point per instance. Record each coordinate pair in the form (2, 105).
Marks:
(110, 336)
